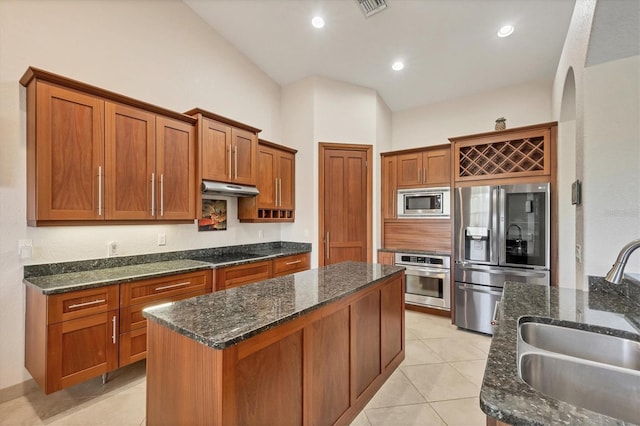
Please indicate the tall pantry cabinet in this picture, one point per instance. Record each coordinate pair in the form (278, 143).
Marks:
(93, 155)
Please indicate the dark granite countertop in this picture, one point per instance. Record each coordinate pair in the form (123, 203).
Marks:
(604, 309)
(227, 317)
(72, 276)
(413, 251)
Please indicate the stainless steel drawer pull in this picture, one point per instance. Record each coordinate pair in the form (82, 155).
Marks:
(99, 190)
(113, 334)
(161, 195)
(294, 262)
(173, 286)
(153, 194)
(80, 305)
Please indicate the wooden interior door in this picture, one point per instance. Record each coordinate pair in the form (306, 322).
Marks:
(345, 203)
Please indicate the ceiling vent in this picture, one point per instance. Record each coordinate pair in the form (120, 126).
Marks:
(371, 7)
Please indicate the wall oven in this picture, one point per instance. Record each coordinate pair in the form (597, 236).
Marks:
(424, 203)
(426, 279)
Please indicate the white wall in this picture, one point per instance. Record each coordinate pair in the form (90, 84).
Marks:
(340, 113)
(434, 124)
(155, 51)
(611, 163)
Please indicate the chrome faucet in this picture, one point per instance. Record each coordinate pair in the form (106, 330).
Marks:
(614, 276)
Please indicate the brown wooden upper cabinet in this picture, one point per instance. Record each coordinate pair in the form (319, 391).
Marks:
(506, 154)
(276, 183)
(228, 149)
(429, 167)
(93, 155)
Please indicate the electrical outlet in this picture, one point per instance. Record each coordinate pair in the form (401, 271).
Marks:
(579, 253)
(25, 249)
(112, 248)
(162, 239)
(260, 234)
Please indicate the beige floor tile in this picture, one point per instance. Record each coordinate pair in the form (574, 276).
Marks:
(480, 341)
(361, 420)
(397, 390)
(472, 370)
(410, 335)
(122, 409)
(406, 415)
(460, 412)
(416, 352)
(439, 382)
(454, 349)
(18, 411)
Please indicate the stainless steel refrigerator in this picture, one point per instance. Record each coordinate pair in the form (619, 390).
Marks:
(501, 234)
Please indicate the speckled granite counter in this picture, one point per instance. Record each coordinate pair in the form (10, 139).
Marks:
(604, 309)
(224, 318)
(71, 276)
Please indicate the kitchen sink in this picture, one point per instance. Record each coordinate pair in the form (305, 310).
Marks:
(588, 345)
(598, 387)
(595, 371)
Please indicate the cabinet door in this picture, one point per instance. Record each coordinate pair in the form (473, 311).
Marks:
(410, 170)
(389, 186)
(244, 146)
(386, 258)
(175, 169)
(437, 165)
(81, 349)
(69, 155)
(215, 141)
(267, 182)
(286, 181)
(130, 160)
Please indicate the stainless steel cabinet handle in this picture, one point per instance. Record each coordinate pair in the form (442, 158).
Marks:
(494, 320)
(294, 262)
(161, 195)
(153, 194)
(229, 155)
(327, 245)
(280, 192)
(99, 190)
(173, 286)
(424, 175)
(80, 305)
(419, 177)
(235, 152)
(113, 334)
(276, 196)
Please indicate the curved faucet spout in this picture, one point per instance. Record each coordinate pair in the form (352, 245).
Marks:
(614, 276)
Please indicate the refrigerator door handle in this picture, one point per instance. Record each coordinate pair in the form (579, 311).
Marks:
(513, 272)
(500, 217)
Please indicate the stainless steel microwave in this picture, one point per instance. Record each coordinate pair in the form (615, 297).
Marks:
(424, 203)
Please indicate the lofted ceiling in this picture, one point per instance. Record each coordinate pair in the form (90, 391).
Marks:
(450, 47)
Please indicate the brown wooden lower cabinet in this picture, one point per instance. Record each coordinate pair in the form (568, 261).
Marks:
(386, 258)
(492, 421)
(321, 368)
(233, 276)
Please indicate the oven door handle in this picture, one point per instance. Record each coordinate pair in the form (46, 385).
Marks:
(426, 272)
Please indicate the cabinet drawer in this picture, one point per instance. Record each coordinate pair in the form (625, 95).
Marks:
(131, 317)
(77, 304)
(155, 289)
(234, 276)
(290, 264)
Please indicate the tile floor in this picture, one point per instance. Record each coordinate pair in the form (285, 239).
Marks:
(437, 384)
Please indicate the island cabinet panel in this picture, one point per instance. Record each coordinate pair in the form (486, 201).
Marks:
(391, 314)
(366, 325)
(318, 369)
(274, 370)
(328, 346)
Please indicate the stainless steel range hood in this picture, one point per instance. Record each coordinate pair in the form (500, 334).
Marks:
(210, 188)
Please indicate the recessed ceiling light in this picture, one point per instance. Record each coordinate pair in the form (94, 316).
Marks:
(317, 22)
(397, 66)
(506, 31)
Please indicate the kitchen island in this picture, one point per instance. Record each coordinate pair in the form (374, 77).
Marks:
(607, 309)
(308, 348)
